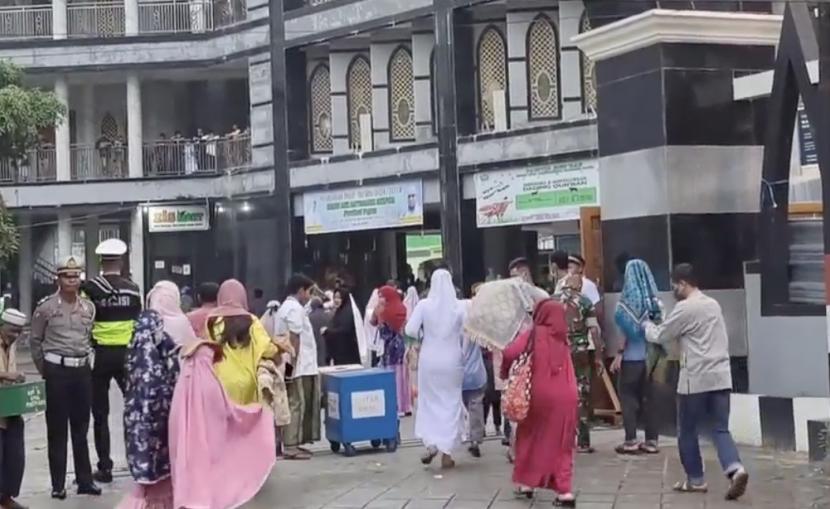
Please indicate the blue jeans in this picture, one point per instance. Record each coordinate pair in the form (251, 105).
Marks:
(695, 410)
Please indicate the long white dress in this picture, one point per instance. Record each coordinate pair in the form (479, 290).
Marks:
(439, 418)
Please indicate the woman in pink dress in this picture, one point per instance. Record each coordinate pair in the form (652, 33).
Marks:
(545, 439)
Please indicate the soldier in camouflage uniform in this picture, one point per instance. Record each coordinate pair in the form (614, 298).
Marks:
(586, 351)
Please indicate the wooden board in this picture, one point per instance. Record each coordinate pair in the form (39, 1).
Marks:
(590, 230)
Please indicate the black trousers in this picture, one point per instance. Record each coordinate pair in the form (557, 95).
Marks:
(637, 398)
(12, 457)
(109, 365)
(68, 400)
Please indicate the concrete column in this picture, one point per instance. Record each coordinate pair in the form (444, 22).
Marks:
(517, 26)
(137, 247)
(131, 17)
(25, 264)
(422, 44)
(59, 19)
(91, 235)
(134, 127)
(88, 123)
(64, 234)
(379, 59)
(338, 67)
(62, 152)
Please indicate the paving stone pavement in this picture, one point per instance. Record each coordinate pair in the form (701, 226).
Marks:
(378, 480)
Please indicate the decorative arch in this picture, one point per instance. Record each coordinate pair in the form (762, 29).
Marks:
(401, 81)
(358, 95)
(543, 83)
(319, 86)
(491, 56)
(588, 72)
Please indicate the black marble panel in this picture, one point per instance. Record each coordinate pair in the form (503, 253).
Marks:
(297, 99)
(818, 438)
(740, 374)
(629, 64)
(716, 244)
(700, 110)
(472, 246)
(717, 56)
(646, 238)
(632, 114)
(777, 423)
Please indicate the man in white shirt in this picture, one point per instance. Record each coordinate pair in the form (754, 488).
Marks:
(576, 265)
(303, 383)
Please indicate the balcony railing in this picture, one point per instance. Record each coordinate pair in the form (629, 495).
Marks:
(107, 19)
(169, 158)
(26, 21)
(37, 166)
(106, 162)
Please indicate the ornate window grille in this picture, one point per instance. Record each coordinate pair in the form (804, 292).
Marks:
(401, 96)
(543, 70)
(359, 95)
(492, 73)
(320, 109)
(589, 78)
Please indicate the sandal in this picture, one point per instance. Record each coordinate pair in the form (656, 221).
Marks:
(586, 450)
(298, 455)
(649, 448)
(687, 487)
(522, 491)
(428, 456)
(564, 502)
(737, 486)
(628, 449)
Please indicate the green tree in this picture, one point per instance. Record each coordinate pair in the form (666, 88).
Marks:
(24, 112)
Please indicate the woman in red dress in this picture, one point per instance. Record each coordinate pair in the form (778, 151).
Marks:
(545, 439)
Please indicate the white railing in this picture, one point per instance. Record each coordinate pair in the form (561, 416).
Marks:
(194, 16)
(98, 19)
(170, 158)
(38, 165)
(25, 21)
(90, 162)
(107, 19)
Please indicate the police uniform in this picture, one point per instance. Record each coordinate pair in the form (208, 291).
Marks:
(61, 352)
(117, 303)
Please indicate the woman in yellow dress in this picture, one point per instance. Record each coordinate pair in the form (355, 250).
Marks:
(244, 341)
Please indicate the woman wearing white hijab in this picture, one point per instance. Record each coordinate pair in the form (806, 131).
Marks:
(439, 420)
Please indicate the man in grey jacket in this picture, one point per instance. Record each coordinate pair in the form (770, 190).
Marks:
(705, 383)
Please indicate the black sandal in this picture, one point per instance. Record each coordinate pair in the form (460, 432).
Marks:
(557, 502)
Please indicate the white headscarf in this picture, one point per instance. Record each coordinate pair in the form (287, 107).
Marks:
(411, 300)
(442, 305)
(371, 337)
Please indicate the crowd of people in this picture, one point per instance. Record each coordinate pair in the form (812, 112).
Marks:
(213, 396)
(205, 151)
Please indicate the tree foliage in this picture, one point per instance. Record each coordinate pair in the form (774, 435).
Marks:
(24, 112)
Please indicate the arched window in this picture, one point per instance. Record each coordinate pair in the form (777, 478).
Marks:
(359, 96)
(589, 78)
(543, 70)
(401, 96)
(320, 109)
(492, 73)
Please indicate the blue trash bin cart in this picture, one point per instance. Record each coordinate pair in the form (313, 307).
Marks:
(361, 406)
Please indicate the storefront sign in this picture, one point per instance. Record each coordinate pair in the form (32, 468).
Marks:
(539, 194)
(178, 218)
(364, 208)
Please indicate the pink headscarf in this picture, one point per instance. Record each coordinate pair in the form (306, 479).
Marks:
(165, 299)
(232, 300)
(221, 453)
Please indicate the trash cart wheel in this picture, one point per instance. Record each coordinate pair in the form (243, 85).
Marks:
(349, 450)
(391, 445)
(376, 444)
(335, 446)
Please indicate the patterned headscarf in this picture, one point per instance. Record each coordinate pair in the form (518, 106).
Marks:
(639, 299)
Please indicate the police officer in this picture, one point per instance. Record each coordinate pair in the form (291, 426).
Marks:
(117, 303)
(61, 328)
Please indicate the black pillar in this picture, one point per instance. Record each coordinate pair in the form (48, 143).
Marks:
(297, 104)
(448, 136)
(282, 183)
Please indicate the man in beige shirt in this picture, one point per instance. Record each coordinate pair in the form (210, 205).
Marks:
(705, 382)
(12, 445)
